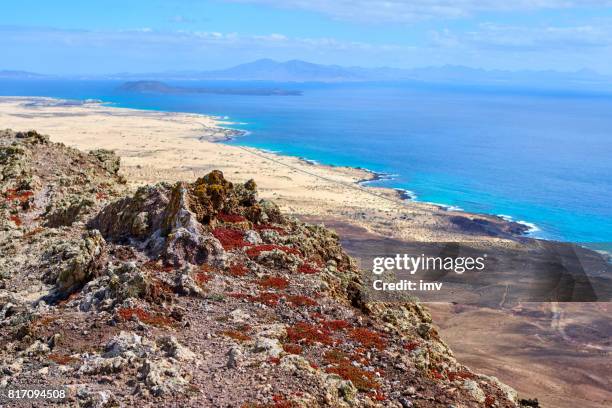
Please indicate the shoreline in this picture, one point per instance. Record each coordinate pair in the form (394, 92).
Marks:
(217, 130)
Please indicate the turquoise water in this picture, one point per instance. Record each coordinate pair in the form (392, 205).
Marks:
(543, 158)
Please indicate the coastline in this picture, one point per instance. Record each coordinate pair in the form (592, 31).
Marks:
(157, 145)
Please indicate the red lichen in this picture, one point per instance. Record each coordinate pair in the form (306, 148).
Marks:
(273, 282)
(201, 278)
(309, 334)
(368, 338)
(300, 300)
(335, 356)
(62, 359)
(267, 298)
(336, 325)
(16, 220)
(225, 217)
(101, 196)
(361, 379)
(435, 374)
(292, 348)
(274, 360)
(255, 251)
(307, 269)
(144, 316)
(238, 270)
(378, 396)
(230, 238)
(460, 375)
(160, 290)
(278, 401)
(12, 194)
(489, 401)
(413, 345)
(236, 335)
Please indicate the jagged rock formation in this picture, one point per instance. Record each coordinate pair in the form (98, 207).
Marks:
(197, 294)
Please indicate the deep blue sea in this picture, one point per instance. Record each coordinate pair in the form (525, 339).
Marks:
(540, 157)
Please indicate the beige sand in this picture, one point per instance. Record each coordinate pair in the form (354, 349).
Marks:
(156, 146)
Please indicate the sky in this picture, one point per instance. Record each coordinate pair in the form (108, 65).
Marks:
(110, 36)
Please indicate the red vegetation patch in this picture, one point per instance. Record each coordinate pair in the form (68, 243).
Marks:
(230, 238)
(378, 396)
(460, 375)
(16, 220)
(307, 269)
(278, 401)
(160, 290)
(336, 325)
(201, 278)
(267, 298)
(236, 335)
(413, 345)
(230, 217)
(368, 338)
(317, 315)
(274, 360)
(300, 300)
(62, 359)
(263, 227)
(21, 196)
(101, 196)
(273, 282)
(292, 348)
(33, 232)
(489, 401)
(335, 356)
(309, 334)
(255, 251)
(435, 374)
(238, 270)
(361, 379)
(144, 316)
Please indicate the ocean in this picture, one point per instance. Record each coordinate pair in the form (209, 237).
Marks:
(539, 157)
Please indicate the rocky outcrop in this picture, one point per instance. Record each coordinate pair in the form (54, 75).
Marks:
(199, 294)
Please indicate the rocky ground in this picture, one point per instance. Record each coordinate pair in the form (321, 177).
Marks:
(197, 294)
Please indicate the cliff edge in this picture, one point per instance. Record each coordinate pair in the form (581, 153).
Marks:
(197, 294)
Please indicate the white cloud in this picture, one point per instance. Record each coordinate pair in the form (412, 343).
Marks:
(519, 38)
(411, 10)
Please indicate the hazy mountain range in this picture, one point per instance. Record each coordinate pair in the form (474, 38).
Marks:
(302, 71)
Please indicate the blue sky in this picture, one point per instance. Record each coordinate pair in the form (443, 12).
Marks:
(107, 36)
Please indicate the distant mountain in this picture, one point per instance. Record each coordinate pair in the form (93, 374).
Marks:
(161, 87)
(269, 70)
(294, 70)
(20, 75)
(302, 71)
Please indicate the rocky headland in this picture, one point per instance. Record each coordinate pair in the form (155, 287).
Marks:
(198, 293)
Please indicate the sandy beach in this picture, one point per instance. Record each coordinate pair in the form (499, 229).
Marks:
(162, 146)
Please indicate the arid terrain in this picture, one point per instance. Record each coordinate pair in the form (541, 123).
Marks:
(197, 294)
(559, 353)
